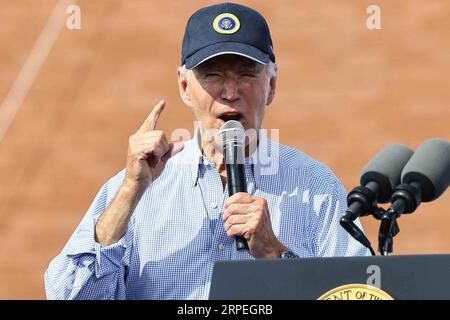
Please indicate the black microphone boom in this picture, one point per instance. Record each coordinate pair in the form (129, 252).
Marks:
(233, 138)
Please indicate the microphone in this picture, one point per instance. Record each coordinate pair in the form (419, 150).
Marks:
(378, 180)
(233, 138)
(425, 178)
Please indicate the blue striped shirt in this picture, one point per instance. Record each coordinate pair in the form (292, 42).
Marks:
(176, 231)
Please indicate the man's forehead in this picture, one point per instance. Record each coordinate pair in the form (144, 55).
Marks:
(228, 60)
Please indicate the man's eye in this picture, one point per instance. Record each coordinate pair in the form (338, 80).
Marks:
(213, 75)
(248, 75)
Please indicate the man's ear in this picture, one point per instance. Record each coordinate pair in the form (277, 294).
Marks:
(183, 88)
(273, 86)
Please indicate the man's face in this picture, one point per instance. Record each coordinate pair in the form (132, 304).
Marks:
(228, 87)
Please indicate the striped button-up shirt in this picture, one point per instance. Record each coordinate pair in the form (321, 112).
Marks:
(176, 231)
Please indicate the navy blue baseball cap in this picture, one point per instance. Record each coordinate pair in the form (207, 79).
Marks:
(226, 28)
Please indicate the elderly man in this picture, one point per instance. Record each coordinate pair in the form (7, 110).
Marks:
(155, 230)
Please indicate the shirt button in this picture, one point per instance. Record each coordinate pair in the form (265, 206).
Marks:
(214, 205)
(221, 246)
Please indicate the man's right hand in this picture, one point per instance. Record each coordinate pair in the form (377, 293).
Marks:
(148, 152)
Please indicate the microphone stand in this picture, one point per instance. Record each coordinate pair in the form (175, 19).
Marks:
(405, 199)
(388, 230)
(363, 199)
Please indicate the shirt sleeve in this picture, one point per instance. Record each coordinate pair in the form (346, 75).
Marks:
(331, 238)
(85, 269)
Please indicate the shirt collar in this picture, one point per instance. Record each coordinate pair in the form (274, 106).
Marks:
(194, 156)
(257, 162)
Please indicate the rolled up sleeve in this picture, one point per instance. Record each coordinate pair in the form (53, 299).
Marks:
(85, 269)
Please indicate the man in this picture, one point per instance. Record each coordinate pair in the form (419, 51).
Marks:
(155, 230)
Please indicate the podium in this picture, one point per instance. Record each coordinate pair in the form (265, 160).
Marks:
(400, 277)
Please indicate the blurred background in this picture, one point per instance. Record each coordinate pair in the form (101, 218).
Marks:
(69, 100)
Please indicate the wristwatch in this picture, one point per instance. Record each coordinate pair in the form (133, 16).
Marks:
(288, 254)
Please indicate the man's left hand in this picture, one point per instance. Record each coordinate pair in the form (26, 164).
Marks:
(248, 216)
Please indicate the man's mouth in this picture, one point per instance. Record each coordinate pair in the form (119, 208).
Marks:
(227, 116)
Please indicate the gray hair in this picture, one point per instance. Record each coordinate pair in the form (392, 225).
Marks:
(271, 69)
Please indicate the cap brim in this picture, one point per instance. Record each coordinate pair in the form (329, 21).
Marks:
(221, 48)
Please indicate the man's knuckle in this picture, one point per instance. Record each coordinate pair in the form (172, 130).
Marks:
(239, 197)
(252, 229)
(260, 202)
(154, 144)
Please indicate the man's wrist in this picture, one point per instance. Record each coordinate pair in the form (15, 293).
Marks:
(278, 251)
(283, 252)
(288, 254)
(132, 188)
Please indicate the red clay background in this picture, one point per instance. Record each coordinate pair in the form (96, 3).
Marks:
(343, 93)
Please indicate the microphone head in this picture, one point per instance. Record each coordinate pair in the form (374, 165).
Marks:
(429, 166)
(385, 169)
(232, 131)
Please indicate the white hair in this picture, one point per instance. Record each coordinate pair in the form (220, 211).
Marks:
(271, 69)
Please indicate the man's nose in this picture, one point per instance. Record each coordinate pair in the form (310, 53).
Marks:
(230, 89)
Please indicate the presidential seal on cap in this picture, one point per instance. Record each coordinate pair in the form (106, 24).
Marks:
(226, 23)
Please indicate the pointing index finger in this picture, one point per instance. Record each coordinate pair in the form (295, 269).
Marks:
(152, 119)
